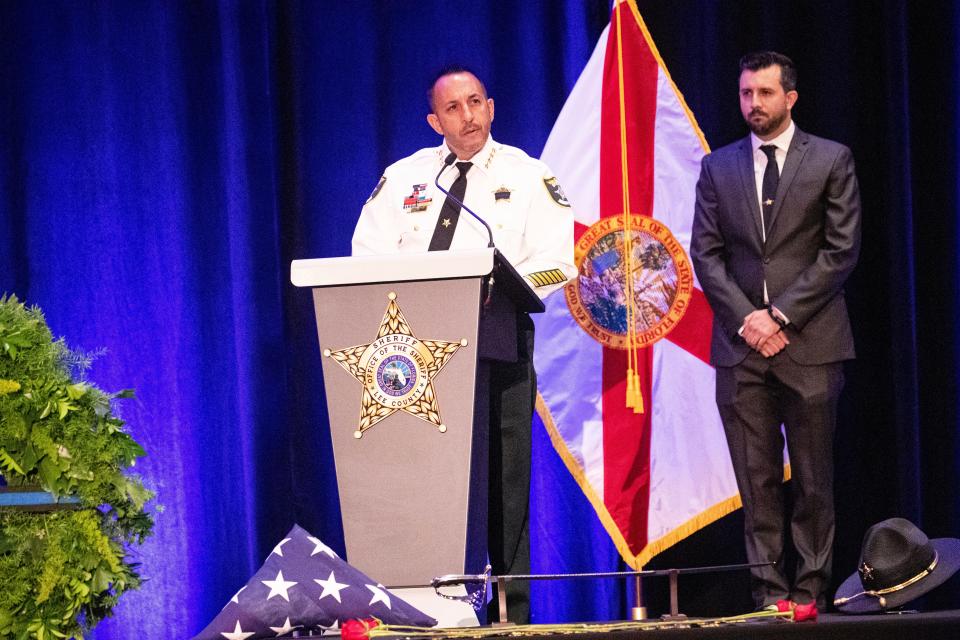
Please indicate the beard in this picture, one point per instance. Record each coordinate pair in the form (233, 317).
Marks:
(765, 127)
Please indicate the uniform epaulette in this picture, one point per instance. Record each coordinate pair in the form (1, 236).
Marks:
(426, 154)
(546, 278)
(519, 155)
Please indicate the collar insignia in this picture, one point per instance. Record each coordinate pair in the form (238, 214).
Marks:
(493, 152)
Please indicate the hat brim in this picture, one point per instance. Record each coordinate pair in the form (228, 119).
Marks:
(948, 551)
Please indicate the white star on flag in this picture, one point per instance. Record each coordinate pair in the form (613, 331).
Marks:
(321, 548)
(379, 595)
(278, 587)
(331, 587)
(277, 549)
(285, 629)
(237, 634)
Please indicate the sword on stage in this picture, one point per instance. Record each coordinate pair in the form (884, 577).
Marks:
(475, 597)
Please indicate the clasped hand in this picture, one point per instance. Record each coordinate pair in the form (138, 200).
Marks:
(763, 334)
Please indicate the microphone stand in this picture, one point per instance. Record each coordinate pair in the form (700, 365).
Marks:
(447, 162)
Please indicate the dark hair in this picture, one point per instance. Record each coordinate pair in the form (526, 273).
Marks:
(763, 59)
(449, 70)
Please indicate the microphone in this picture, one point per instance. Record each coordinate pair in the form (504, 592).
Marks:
(449, 160)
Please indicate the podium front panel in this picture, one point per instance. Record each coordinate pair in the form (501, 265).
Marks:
(409, 511)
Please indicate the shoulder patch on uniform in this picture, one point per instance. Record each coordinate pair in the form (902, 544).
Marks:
(553, 187)
(546, 278)
(376, 189)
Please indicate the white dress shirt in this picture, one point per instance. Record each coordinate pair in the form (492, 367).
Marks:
(782, 143)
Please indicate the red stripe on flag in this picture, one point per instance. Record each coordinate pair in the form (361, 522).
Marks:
(640, 71)
(578, 230)
(693, 332)
(626, 448)
(626, 435)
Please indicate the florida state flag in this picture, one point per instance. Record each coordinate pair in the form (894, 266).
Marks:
(626, 388)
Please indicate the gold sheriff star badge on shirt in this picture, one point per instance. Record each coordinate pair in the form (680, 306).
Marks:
(396, 371)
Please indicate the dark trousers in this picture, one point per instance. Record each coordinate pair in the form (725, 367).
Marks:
(755, 398)
(513, 392)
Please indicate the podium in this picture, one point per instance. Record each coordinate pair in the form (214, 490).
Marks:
(406, 343)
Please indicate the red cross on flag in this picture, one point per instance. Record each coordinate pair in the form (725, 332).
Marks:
(626, 388)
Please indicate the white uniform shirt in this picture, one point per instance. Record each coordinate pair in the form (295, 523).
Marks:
(517, 195)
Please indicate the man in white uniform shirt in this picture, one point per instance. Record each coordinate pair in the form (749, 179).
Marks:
(532, 227)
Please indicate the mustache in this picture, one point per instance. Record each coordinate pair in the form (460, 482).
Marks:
(757, 112)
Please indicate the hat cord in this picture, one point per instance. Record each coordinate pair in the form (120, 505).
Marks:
(879, 593)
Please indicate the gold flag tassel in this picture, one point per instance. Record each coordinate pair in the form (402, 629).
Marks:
(634, 392)
(634, 398)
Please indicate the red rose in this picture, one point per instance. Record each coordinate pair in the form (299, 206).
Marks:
(358, 629)
(801, 612)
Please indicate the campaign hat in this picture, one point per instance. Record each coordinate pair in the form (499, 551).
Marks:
(898, 563)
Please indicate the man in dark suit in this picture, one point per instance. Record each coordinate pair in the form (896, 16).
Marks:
(776, 233)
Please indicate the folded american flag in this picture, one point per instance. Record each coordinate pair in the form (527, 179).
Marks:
(304, 586)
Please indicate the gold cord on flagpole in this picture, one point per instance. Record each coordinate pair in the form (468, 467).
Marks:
(634, 398)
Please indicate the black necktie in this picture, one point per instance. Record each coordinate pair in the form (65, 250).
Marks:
(771, 179)
(450, 213)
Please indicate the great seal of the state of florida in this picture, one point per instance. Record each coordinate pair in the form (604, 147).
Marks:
(662, 281)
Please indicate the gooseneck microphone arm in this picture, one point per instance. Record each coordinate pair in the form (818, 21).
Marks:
(449, 160)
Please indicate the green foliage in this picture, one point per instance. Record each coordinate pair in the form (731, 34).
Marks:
(62, 571)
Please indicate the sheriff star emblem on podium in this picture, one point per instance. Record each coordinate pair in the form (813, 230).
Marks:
(396, 371)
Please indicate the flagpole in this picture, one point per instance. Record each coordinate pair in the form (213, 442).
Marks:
(638, 611)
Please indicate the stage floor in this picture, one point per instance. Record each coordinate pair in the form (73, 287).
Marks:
(941, 625)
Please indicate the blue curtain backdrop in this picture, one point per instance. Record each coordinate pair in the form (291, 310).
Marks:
(162, 162)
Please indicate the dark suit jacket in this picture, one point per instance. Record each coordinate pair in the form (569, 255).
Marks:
(812, 246)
